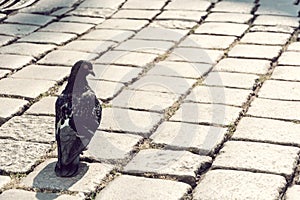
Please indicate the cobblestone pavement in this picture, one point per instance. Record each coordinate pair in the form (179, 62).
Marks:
(201, 98)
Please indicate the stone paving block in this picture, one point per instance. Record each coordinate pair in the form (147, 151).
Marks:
(229, 17)
(145, 46)
(89, 177)
(173, 24)
(126, 58)
(239, 185)
(177, 135)
(122, 24)
(111, 146)
(289, 73)
(182, 165)
(276, 20)
(45, 106)
(48, 38)
(33, 89)
(51, 73)
(154, 33)
(9, 106)
(23, 194)
(180, 69)
(198, 5)
(289, 58)
(144, 5)
(276, 29)
(90, 46)
(84, 20)
(227, 79)
(293, 192)
(4, 39)
(46, 6)
(14, 61)
(261, 157)
(181, 15)
(220, 95)
(265, 38)
(29, 128)
(28, 49)
(196, 55)
(127, 120)
(4, 72)
(93, 12)
(255, 51)
(208, 41)
(221, 28)
(110, 35)
(61, 11)
(295, 46)
(68, 27)
(125, 187)
(206, 113)
(145, 100)
(66, 57)
(105, 90)
(30, 19)
(267, 130)
(253, 66)
(233, 7)
(20, 156)
(136, 14)
(275, 109)
(101, 4)
(17, 29)
(280, 8)
(4, 180)
(163, 84)
(282, 90)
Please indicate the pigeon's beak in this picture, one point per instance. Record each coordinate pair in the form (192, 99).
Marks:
(91, 72)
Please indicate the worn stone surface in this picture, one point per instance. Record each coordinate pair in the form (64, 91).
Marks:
(173, 24)
(177, 135)
(9, 106)
(275, 109)
(276, 20)
(68, 27)
(229, 17)
(125, 187)
(285, 8)
(93, 12)
(23, 194)
(89, 177)
(289, 73)
(136, 14)
(105, 89)
(48, 38)
(17, 29)
(46, 106)
(265, 38)
(206, 113)
(293, 192)
(61, 11)
(276, 29)
(4, 39)
(108, 35)
(220, 28)
(255, 156)
(254, 66)
(156, 33)
(4, 180)
(20, 156)
(188, 5)
(84, 20)
(267, 130)
(4, 72)
(239, 185)
(289, 58)
(46, 6)
(181, 15)
(90, 46)
(122, 24)
(31, 19)
(180, 164)
(295, 46)
(14, 61)
(236, 7)
(136, 4)
(101, 4)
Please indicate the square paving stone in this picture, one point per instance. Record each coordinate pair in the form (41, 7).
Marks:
(156, 33)
(234, 7)
(45, 106)
(265, 38)
(136, 4)
(220, 28)
(9, 106)
(4, 180)
(289, 58)
(182, 165)
(229, 17)
(101, 4)
(93, 12)
(288, 110)
(31, 19)
(89, 177)
(17, 29)
(267, 130)
(61, 12)
(253, 66)
(4, 39)
(239, 185)
(29, 49)
(201, 139)
(20, 156)
(289, 73)
(174, 25)
(293, 192)
(145, 100)
(68, 27)
(108, 35)
(90, 46)
(254, 51)
(125, 187)
(261, 157)
(163, 84)
(136, 14)
(24, 87)
(48, 38)
(29, 128)
(219, 95)
(14, 61)
(282, 90)
(278, 8)
(42, 72)
(206, 113)
(105, 90)
(198, 5)
(84, 20)
(227, 79)
(208, 41)
(46, 6)
(276, 20)
(275, 29)
(111, 146)
(13, 194)
(295, 46)
(66, 57)
(127, 120)
(122, 24)
(181, 15)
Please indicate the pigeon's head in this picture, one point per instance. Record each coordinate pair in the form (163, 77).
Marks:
(82, 68)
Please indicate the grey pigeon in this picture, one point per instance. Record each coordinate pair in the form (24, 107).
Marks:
(78, 115)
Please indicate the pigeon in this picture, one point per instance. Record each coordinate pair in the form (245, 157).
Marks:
(78, 115)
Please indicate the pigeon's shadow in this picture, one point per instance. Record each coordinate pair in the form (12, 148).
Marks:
(47, 179)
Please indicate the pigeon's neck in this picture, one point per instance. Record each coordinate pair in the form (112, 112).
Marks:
(77, 84)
